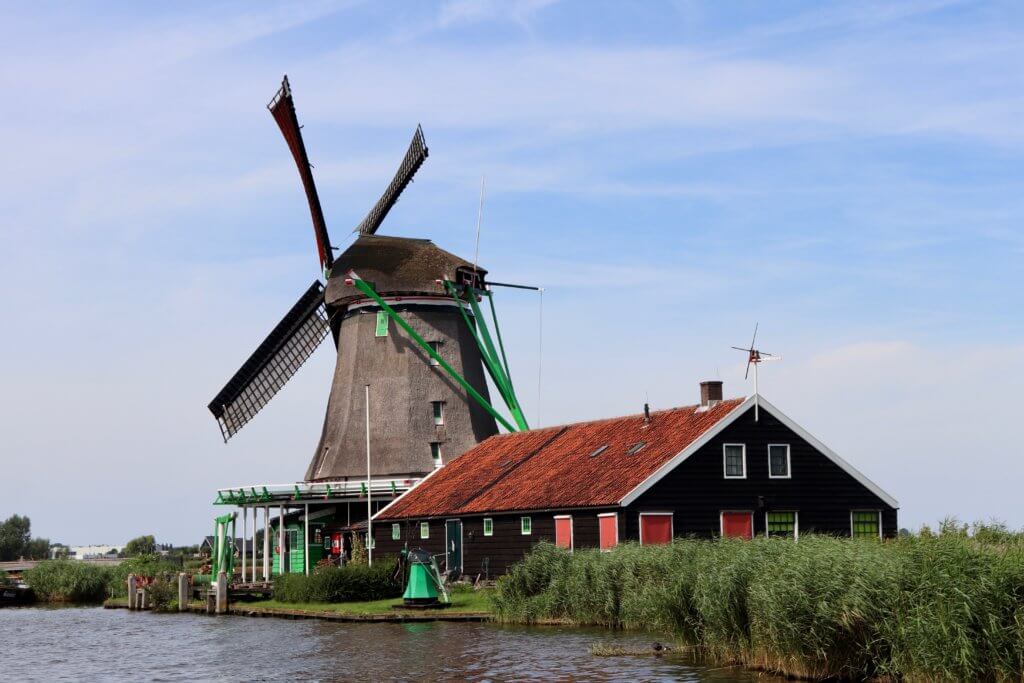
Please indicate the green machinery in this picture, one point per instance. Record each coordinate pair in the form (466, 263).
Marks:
(423, 584)
(496, 363)
(222, 554)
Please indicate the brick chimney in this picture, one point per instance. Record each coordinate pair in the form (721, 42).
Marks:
(710, 393)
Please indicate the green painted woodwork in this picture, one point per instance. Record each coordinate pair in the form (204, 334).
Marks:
(382, 324)
(297, 548)
(420, 586)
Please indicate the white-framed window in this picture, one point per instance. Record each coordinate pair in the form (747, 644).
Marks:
(436, 348)
(396, 532)
(866, 523)
(488, 526)
(778, 461)
(734, 460)
(424, 529)
(371, 543)
(438, 408)
(435, 453)
(782, 523)
(526, 526)
(656, 528)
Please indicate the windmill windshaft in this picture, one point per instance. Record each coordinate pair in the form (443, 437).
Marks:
(268, 369)
(282, 107)
(414, 158)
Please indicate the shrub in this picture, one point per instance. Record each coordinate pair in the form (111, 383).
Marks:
(341, 584)
(152, 566)
(163, 594)
(68, 581)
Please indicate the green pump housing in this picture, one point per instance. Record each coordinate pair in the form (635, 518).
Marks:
(423, 582)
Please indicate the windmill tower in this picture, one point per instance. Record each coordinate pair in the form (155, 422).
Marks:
(405, 319)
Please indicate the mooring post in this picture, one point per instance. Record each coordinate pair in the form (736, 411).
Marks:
(142, 598)
(183, 592)
(132, 592)
(222, 592)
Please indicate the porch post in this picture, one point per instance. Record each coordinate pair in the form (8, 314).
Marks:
(245, 514)
(305, 536)
(281, 539)
(266, 543)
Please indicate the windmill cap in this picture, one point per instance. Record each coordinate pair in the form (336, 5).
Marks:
(396, 265)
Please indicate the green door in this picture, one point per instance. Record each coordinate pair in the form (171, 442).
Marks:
(453, 545)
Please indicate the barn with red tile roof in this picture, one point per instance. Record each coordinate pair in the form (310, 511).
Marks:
(703, 470)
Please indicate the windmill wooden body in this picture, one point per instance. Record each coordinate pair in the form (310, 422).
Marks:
(405, 319)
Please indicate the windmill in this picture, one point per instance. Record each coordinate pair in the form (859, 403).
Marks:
(755, 357)
(405, 318)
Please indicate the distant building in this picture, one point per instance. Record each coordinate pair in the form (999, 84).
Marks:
(89, 552)
(733, 468)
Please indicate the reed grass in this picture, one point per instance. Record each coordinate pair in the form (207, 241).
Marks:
(947, 607)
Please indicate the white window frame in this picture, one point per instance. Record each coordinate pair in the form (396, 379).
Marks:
(529, 522)
(789, 461)
(725, 468)
(607, 514)
(424, 530)
(671, 524)
(796, 522)
(572, 531)
(436, 346)
(486, 532)
(396, 532)
(721, 520)
(437, 412)
(878, 512)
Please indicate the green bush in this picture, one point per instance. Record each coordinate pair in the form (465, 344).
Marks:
(936, 607)
(152, 566)
(340, 584)
(163, 594)
(68, 581)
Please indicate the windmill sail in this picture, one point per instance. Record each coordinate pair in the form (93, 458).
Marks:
(414, 158)
(282, 107)
(269, 368)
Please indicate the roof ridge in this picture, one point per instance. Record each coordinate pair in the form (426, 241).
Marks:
(599, 420)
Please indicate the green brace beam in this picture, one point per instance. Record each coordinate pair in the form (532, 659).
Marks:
(368, 290)
(500, 375)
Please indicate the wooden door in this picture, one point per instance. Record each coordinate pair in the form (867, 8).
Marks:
(738, 525)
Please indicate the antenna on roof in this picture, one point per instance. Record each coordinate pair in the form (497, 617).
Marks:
(479, 221)
(755, 357)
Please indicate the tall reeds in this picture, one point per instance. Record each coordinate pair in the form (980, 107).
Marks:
(946, 607)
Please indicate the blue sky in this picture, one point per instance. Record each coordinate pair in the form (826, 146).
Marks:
(848, 175)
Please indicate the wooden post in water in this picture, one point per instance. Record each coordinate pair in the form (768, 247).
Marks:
(183, 592)
(222, 592)
(133, 593)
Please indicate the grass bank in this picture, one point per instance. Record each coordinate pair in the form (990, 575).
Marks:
(463, 602)
(921, 608)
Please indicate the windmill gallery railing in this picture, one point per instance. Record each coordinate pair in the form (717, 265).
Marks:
(497, 366)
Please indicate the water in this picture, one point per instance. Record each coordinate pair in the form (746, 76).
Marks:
(91, 643)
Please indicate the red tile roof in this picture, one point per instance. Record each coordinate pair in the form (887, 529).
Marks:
(553, 468)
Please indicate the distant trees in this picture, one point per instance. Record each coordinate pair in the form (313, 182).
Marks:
(16, 540)
(142, 545)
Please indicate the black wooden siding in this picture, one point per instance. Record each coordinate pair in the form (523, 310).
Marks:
(819, 490)
(696, 492)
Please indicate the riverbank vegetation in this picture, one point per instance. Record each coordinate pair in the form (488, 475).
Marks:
(464, 601)
(75, 581)
(341, 584)
(947, 606)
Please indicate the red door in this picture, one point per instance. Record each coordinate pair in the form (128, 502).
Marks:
(655, 529)
(738, 525)
(609, 530)
(563, 532)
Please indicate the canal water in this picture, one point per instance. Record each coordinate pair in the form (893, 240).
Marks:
(94, 644)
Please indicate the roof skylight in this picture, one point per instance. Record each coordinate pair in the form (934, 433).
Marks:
(599, 451)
